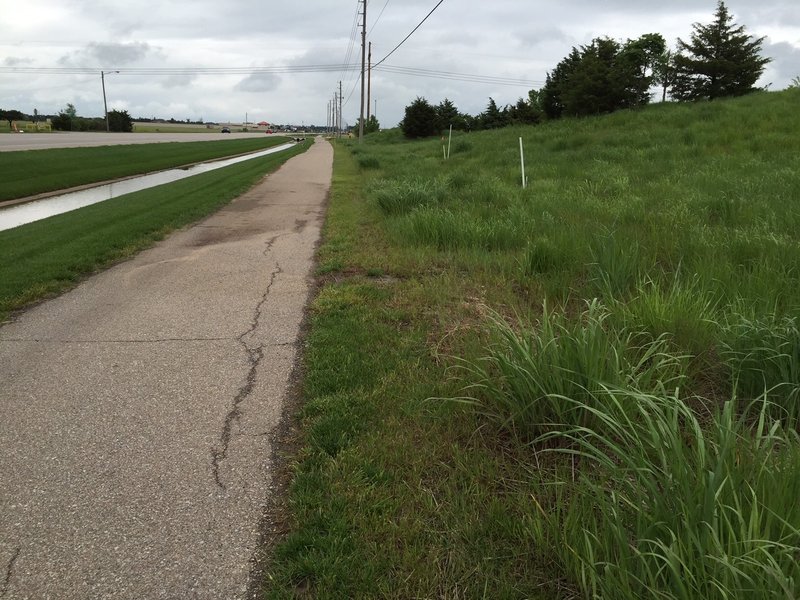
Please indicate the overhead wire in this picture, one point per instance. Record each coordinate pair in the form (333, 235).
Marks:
(409, 35)
(278, 69)
(351, 43)
(379, 18)
(466, 77)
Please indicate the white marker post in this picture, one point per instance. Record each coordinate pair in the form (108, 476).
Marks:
(522, 162)
(449, 139)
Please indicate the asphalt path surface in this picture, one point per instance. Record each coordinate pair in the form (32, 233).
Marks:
(137, 409)
(75, 139)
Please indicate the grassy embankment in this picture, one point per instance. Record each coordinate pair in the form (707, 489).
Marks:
(621, 341)
(30, 172)
(44, 258)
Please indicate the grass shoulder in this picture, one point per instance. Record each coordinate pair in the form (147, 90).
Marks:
(393, 493)
(46, 257)
(33, 172)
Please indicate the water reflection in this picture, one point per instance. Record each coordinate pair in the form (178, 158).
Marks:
(15, 216)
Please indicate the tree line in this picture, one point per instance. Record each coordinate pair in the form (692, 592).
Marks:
(719, 60)
(68, 120)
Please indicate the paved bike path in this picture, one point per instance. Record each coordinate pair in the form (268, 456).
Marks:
(137, 409)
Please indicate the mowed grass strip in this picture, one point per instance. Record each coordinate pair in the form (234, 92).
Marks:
(46, 257)
(31, 172)
(615, 353)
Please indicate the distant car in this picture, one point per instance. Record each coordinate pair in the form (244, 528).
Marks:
(269, 131)
(226, 130)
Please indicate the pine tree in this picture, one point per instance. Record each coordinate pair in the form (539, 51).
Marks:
(719, 60)
(420, 119)
(447, 113)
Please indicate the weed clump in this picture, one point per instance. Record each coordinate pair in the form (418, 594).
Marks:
(400, 196)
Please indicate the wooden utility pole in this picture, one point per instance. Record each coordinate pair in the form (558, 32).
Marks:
(363, 67)
(339, 132)
(369, 77)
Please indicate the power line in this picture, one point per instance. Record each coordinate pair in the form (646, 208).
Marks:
(410, 34)
(183, 70)
(467, 77)
(380, 14)
(353, 32)
(331, 68)
(351, 44)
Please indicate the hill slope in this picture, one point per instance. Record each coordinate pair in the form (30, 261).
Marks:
(626, 324)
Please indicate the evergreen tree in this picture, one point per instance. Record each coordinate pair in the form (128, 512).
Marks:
(602, 77)
(555, 84)
(420, 119)
(493, 117)
(120, 121)
(719, 60)
(526, 112)
(448, 114)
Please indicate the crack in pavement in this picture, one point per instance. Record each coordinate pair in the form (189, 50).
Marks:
(219, 454)
(9, 572)
(254, 356)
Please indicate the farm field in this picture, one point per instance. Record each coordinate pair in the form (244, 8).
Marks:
(586, 388)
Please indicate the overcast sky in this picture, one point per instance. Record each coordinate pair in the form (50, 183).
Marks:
(220, 60)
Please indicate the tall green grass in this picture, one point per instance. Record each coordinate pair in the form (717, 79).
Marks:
(682, 509)
(637, 436)
(533, 380)
(667, 503)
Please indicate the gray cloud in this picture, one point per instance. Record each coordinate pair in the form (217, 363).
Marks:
(259, 82)
(511, 38)
(110, 54)
(785, 63)
(17, 61)
(178, 80)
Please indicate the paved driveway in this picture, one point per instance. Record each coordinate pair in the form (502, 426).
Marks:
(138, 408)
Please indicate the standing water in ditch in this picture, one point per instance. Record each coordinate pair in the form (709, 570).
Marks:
(28, 212)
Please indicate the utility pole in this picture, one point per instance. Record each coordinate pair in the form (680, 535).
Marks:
(340, 109)
(369, 77)
(105, 104)
(363, 66)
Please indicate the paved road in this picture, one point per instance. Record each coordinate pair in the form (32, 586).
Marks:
(73, 139)
(137, 409)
